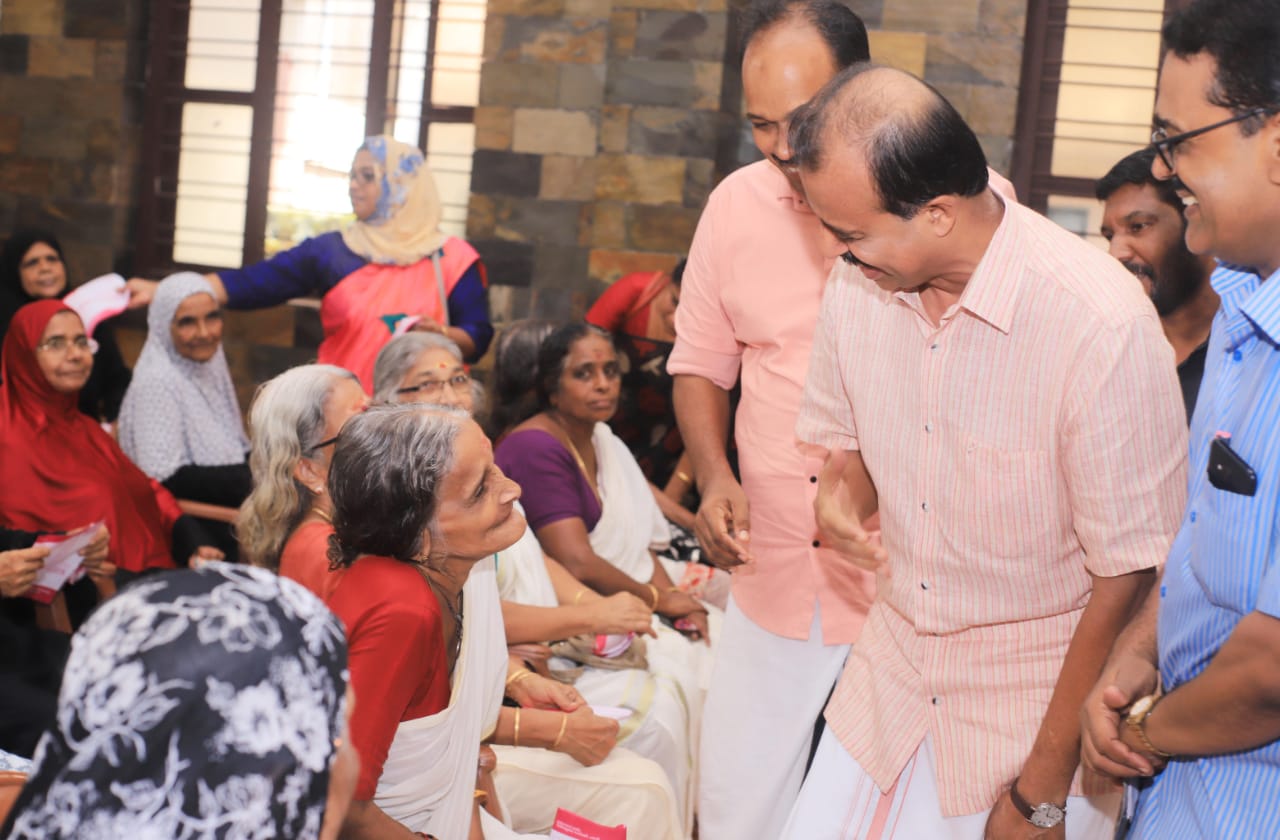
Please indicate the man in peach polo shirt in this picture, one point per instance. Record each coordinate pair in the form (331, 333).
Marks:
(1001, 395)
(749, 303)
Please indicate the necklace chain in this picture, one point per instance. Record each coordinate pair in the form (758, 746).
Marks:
(577, 456)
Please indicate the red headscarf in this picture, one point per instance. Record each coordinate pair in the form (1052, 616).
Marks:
(59, 470)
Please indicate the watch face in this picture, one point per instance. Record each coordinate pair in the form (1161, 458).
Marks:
(1140, 708)
(1047, 815)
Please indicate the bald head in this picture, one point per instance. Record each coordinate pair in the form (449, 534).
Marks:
(914, 144)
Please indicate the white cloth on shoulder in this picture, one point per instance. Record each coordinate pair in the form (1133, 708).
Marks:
(178, 411)
(428, 781)
(631, 525)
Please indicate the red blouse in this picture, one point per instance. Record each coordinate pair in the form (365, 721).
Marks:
(305, 558)
(623, 308)
(396, 654)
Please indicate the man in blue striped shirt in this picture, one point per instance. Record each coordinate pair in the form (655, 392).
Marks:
(1203, 717)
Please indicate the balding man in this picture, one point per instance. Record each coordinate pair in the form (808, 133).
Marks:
(1001, 394)
(748, 307)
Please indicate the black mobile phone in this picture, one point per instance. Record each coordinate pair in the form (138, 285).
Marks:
(1228, 471)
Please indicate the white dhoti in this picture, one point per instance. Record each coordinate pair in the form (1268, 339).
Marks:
(840, 801)
(766, 694)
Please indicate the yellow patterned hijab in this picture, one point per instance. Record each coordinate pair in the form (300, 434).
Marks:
(405, 227)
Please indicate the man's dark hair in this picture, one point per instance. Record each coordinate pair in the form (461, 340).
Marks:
(1136, 169)
(1243, 38)
(677, 273)
(844, 31)
(914, 154)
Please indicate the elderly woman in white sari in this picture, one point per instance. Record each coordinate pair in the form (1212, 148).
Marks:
(592, 511)
(419, 509)
(540, 602)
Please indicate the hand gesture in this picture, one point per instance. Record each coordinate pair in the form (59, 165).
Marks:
(681, 605)
(588, 738)
(428, 324)
(723, 524)
(621, 612)
(538, 692)
(838, 521)
(18, 569)
(1104, 747)
(141, 291)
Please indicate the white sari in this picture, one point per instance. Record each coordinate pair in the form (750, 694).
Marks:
(659, 727)
(428, 781)
(631, 527)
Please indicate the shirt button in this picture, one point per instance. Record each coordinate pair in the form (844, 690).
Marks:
(816, 543)
(924, 506)
(928, 427)
(933, 346)
(924, 584)
(937, 701)
(1193, 516)
(1237, 355)
(813, 479)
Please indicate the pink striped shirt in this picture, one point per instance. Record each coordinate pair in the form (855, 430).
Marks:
(1034, 438)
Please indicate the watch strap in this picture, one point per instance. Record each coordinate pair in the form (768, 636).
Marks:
(1023, 806)
(1139, 728)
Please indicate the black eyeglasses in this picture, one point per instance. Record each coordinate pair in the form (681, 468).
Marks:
(322, 444)
(1165, 146)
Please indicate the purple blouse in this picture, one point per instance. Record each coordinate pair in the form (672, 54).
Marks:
(551, 483)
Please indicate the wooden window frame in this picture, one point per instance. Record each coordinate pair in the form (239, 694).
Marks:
(167, 93)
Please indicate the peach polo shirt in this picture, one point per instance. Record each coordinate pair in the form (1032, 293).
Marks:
(1032, 439)
(749, 304)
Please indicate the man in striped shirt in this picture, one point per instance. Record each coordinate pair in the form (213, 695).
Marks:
(1001, 393)
(1191, 693)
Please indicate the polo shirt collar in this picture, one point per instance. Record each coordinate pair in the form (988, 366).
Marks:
(1250, 306)
(991, 295)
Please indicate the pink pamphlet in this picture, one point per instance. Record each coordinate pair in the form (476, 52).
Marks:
(570, 826)
(99, 299)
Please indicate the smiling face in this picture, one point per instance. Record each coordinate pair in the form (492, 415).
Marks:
(63, 354)
(440, 379)
(891, 251)
(475, 514)
(364, 186)
(591, 381)
(1146, 235)
(196, 328)
(782, 68)
(1220, 173)
(42, 272)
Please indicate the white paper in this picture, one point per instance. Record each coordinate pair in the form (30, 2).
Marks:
(64, 560)
(99, 299)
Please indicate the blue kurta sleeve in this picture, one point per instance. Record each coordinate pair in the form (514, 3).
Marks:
(311, 268)
(469, 309)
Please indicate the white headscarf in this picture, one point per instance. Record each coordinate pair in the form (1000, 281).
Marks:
(178, 411)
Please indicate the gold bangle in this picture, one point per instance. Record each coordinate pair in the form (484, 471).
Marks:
(515, 740)
(656, 596)
(482, 797)
(684, 477)
(675, 589)
(518, 676)
(564, 724)
(578, 597)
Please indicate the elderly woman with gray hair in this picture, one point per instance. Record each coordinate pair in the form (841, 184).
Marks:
(542, 602)
(419, 510)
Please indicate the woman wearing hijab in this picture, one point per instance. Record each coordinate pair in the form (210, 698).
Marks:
(207, 703)
(180, 422)
(389, 270)
(58, 469)
(32, 267)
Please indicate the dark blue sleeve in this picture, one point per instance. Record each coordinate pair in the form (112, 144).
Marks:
(469, 309)
(312, 267)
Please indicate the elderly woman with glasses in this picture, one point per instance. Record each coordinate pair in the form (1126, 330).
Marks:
(295, 419)
(391, 269)
(59, 470)
(542, 602)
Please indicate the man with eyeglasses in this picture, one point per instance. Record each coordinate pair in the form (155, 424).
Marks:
(1191, 693)
(1143, 224)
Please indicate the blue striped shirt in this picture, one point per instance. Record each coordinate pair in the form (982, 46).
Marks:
(1224, 564)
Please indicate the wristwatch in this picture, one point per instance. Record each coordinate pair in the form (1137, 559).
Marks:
(1044, 815)
(1136, 720)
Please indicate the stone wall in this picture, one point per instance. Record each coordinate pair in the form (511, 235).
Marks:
(71, 92)
(603, 125)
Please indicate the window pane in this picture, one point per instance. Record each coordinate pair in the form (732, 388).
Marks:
(1082, 216)
(213, 177)
(1110, 53)
(222, 45)
(449, 150)
(322, 79)
(459, 44)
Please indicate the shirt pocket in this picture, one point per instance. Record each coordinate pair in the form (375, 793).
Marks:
(1230, 547)
(1004, 505)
